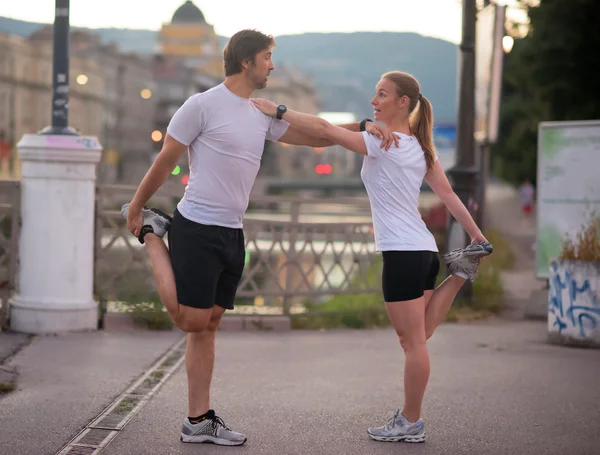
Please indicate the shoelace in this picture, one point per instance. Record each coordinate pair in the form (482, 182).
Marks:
(391, 423)
(216, 421)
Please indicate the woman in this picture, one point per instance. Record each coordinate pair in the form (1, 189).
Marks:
(410, 256)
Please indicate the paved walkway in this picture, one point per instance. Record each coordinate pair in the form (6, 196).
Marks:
(504, 214)
(65, 381)
(496, 387)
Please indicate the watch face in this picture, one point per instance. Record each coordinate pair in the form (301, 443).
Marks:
(281, 109)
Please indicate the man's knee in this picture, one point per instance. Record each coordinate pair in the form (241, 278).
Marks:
(193, 320)
(192, 326)
(213, 324)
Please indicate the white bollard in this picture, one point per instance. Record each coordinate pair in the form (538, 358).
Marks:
(56, 244)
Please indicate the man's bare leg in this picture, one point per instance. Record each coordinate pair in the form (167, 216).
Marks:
(199, 363)
(163, 275)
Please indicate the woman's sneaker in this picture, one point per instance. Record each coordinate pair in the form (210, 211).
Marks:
(398, 429)
(464, 262)
(155, 221)
(211, 429)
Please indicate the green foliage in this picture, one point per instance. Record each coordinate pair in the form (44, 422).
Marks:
(550, 75)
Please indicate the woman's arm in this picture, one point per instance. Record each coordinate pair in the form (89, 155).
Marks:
(316, 127)
(437, 180)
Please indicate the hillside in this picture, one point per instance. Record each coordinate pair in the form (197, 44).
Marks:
(346, 66)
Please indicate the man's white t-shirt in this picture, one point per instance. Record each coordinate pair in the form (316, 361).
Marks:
(226, 136)
(393, 181)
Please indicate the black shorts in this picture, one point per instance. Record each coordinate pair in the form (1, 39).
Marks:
(207, 261)
(407, 274)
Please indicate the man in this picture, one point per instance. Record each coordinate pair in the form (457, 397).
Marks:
(197, 277)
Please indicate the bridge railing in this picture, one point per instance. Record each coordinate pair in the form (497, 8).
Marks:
(296, 249)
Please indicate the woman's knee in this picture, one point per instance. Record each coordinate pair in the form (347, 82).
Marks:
(411, 341)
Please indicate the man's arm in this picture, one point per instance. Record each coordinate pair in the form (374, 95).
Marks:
(295, 136)
(160, 170)
(298, 136)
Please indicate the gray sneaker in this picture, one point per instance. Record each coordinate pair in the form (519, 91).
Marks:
(397, 429)
(212, 429)
(464, 262)
(155, 221)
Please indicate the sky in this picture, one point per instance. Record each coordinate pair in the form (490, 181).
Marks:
(436, 18)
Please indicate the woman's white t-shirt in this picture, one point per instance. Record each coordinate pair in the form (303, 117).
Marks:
(393, 181)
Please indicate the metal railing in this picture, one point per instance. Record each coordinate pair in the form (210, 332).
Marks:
(10, 221)
(296, 249)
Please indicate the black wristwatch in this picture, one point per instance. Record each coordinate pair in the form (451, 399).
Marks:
(363, 124)
(281, 109)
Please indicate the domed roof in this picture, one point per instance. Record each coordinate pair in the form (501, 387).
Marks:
(188, 13)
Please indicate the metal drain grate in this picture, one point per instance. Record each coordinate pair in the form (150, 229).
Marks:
(111, 422)
(77, 450)
(107, 425)
(95, 437)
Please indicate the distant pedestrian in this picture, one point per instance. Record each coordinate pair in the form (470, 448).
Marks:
(527, 194)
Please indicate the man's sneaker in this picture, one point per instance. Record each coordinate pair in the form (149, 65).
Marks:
(212, 429)
(397, 429)
(155, 221)
(464, 262)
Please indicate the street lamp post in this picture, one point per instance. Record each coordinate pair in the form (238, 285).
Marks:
(60, 73)
(464, 173)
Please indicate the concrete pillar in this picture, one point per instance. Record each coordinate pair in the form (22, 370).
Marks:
(56, 245)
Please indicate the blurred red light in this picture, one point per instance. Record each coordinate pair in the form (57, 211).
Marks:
(185, 179)
(323, 169)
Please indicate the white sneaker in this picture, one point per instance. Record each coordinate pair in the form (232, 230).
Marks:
(398, 429)
(464, 262)
(155, 221)
(212, 429)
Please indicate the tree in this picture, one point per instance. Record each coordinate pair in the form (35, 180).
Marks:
(551, 74)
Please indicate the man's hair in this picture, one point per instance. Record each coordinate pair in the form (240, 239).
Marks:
(243, 47)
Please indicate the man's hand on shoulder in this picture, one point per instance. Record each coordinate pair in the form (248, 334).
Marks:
(384, 133)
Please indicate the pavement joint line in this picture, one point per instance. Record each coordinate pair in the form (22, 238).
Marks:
(140, 401)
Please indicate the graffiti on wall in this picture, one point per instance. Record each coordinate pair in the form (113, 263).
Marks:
(573, 303)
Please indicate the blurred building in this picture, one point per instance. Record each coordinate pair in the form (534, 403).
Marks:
(127, 101)
(25, 92)
(189, 37)
(110, 96)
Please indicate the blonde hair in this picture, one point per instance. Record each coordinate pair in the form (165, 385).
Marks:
(421, 119)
